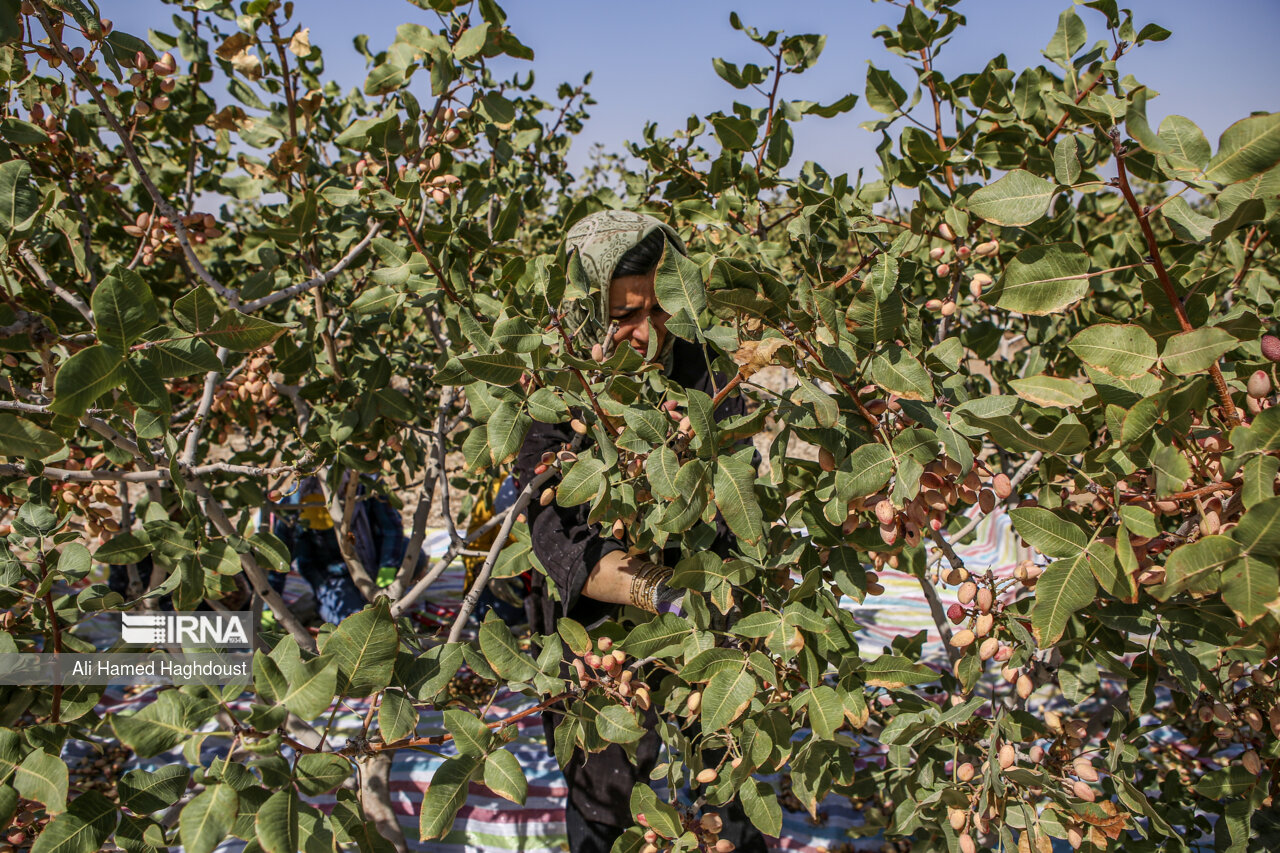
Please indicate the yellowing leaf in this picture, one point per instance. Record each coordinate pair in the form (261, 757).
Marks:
(754, 356)
(300, 43)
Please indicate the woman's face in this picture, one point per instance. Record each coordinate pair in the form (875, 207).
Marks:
(633, 305)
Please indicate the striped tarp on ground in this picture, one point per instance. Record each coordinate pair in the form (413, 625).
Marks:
(490, 823)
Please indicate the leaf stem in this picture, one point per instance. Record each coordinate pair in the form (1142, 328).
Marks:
(1215, 373)
(586, 386)
(482, 577)
(937, 114)
(1084, 93)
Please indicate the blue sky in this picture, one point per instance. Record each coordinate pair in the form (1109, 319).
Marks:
(652, 61)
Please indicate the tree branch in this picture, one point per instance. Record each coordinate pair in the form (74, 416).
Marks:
(441, 470)
(206, 402)
(435, 740)
(937, 113)
(1249, 252)
(586, 386)
(30, 408)
(407, 600)
(1166, 284)
(45, 279)
(939, 616)
(303, 286)
(1027, 467)
(1084, 93)
(414, 549)
(162, 204)
(482, 578)
(159, 475)
(435, 268)
(257, 577)
(343, 511)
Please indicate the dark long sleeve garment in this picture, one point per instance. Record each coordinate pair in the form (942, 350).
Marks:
(569, 547)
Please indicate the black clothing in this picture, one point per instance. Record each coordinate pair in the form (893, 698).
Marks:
(564, 542)
(379, 541)
(568, 546)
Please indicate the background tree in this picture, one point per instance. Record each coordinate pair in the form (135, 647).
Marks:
(1041, 305)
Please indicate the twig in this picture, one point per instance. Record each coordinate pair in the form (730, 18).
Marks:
(414, 549)
(368, 717)
(431, 262)
(849, 389)
(86, 234)
(937, 114)
(435, 740)
(45, 279)
(30, 408)
(586, 386)
(1249, 252)
(1166, 284)
(1187, 495)
(890, 221)
(404, 602)
(724, 392)
(290, 96)
(939, 616)
(126, 141)
(296, 745)
(257, 577)
(768, 131)
(441, 471)
(303, 286)
(105, 430)
(56, 630)
(1027, 467)
(950, 553)
(23, 323)
(862, 264)
(1084, 93)
(325, 326)
(206, 402)
(410, 742)
(482, 578)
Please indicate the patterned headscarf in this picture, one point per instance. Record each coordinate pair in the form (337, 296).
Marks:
(598, 241)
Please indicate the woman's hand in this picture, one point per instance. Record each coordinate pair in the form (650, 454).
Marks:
(610, 579)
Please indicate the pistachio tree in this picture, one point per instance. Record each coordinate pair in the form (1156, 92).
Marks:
(223, 273)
